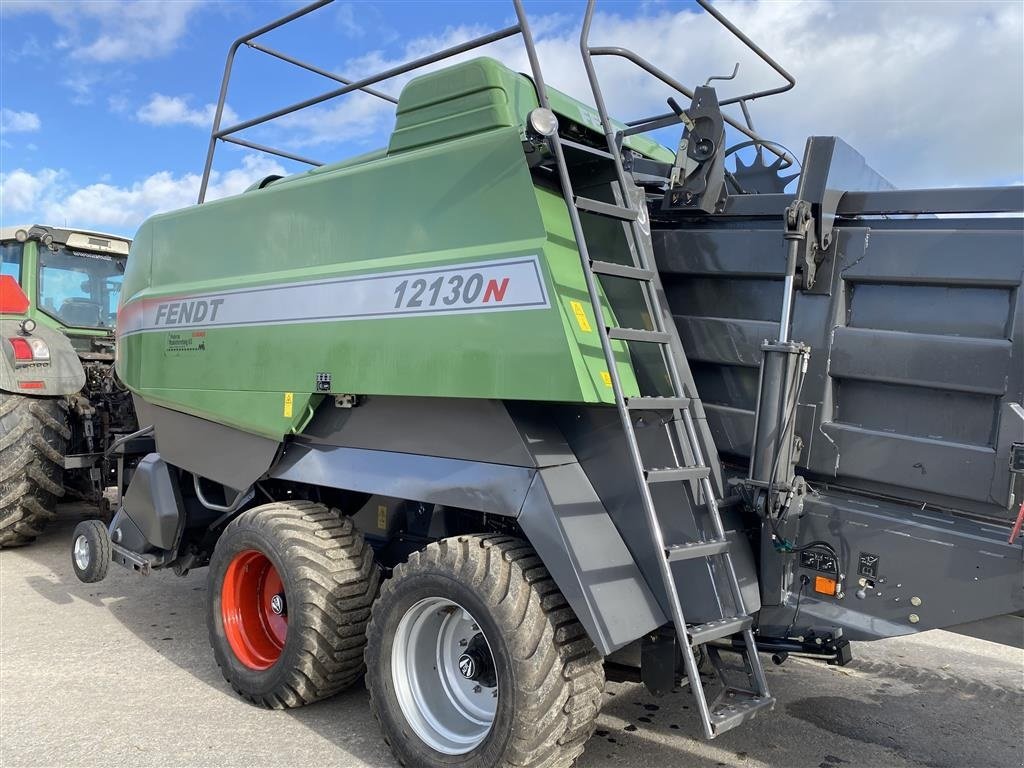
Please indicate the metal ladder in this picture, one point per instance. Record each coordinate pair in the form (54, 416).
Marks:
(734, 705)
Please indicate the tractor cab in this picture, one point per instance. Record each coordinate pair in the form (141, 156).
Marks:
(59, 292)
(71, 281)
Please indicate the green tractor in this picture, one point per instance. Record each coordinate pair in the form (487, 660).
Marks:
(61, 403)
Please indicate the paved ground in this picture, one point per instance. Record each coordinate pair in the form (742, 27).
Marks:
(119, 673)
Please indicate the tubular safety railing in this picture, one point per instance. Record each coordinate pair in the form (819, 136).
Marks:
(655, 122)
(348, 86)
(644, 125)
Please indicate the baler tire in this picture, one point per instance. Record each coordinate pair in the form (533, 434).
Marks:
(33, 438)
(92, 534)
(329, 580)
(549, 677)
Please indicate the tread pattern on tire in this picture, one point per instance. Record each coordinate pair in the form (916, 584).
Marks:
(337, 582)
(33, 436)
(560, 672)
(97, 570)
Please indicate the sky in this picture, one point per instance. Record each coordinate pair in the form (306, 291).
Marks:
(106, 106)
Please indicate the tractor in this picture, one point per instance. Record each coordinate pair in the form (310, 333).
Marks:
(527, 400)
(61, 403)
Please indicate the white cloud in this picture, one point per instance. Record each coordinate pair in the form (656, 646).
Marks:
(174, 110)
(12, 121)
(351, 118)
(931, 93)
(113, 30)
(49, 195)
(20, 190)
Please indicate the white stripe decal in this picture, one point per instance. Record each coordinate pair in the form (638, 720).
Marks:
(489, 286)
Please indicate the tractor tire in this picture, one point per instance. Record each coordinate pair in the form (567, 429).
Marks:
(290, 588)
(475, 659)
(33, 435)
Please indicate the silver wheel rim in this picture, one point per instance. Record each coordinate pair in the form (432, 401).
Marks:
(81, 553)
(448, 711)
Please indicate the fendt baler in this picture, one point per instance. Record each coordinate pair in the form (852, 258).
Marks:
(525, 399)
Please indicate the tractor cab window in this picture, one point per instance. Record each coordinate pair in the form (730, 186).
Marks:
(10, 260)
(80, 289)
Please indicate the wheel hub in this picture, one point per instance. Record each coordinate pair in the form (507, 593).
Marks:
(254, 610)
(476, 663)
(81, 553)
(277, 604)
(444, 676)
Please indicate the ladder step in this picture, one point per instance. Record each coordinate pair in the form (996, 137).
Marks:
(585, 149)
(639, 334)
(605, 209)
(696, 549)
(736, 706)
(621, 270)
(717, 629)
(671, 474)
(657, 403)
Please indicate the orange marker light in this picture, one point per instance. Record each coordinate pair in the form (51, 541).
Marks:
(824, 585)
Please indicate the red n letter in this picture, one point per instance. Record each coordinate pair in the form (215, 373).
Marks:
(494, 290)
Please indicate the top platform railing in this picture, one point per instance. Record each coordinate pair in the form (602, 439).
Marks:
(364, 85)
(647, 124)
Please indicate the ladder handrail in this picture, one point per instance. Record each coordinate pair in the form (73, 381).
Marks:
(683, 423)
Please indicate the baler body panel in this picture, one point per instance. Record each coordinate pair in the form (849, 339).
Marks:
(465, 206)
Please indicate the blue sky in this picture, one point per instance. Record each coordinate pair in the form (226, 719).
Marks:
(106, 106)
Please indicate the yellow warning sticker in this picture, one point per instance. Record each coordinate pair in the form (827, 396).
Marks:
(581, 316)
(382, 517)
(289, 401)
(606, 378)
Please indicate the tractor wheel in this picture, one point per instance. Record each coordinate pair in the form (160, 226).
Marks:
(475, 659)
(33, 435)
(290, 589)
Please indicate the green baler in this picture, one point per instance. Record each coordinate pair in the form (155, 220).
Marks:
(468, 297)
(513, 405)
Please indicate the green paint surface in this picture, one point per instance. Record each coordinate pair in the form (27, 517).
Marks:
(449, 191)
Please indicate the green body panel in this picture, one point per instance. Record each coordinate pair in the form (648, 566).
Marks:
(482, 94)
(467, 200)
(30, 285)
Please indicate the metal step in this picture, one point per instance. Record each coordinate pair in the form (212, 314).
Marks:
(621, 270)
(639, 334)
(605, 209)
(717, 629)
(575, 148)
(736, 706)
(657, 403)
(695, 549)
(671, 474)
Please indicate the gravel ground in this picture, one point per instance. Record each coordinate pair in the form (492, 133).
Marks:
(120, 673)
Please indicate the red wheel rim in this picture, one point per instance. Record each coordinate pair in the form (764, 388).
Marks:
(255, 631)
